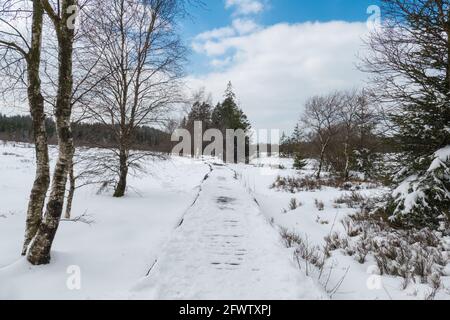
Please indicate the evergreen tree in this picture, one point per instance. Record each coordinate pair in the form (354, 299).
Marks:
(229, 93)
(183, 123)
(283, 139)
(228, 115)
(200, 111)
(410, 64)
(423, 195)
(299, 162)
(297, 135)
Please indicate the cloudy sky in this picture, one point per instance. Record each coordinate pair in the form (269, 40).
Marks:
(276, 52)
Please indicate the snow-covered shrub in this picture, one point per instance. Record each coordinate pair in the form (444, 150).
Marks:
(422, 199)
(309, 255)
(335, 241)
(304, 253)
(289, 238)
(400, 254)
(296, 184)
(352, 229)
(294, 204)
(352, 200)
(411, 254)
(319, 205)
(311, 183)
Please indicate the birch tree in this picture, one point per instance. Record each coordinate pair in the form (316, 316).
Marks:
(63, 19)
(84, 67)
(142, 69)
(20, 62)
(348, 118)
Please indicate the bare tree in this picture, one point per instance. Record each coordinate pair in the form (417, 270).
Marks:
(141, 67)
(409, 64)
(63, 18)
(348, 119)
(357, 120)
(20, 62)
(321, 117)
(84, 68)
(86, 169)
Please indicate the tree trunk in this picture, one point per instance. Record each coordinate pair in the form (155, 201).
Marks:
(347, 161)
(72, 187)
(322, 157)
(36, 102)
(447, 29)
(39, 252)
(123, 173)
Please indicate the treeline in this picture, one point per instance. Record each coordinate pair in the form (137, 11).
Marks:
(20, 128)
(343, 131)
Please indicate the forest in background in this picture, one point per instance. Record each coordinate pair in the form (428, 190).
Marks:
(20, 129)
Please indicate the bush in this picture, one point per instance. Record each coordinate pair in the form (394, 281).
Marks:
(404, 253)
(303, 250)
(319, 205)
(311, 183)
(353, 200)
(289, 238)
(294, 204)
(294, 184)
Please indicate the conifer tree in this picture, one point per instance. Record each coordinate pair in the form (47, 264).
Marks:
(228, 115)
(297, 135)
(411, 68)
(200, 111)
(299, 161)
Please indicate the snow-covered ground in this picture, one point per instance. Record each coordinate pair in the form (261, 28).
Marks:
(226, 249)
(354, 280)
(189, 229)
(115, 251)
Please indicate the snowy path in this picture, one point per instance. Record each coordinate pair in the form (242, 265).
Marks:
(225, 249)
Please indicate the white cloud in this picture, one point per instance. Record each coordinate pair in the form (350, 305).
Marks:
(238, 27)
(218, 41)
(244, 26)
(245, 7)
(274, 69)
(220, 63)
(218, 33)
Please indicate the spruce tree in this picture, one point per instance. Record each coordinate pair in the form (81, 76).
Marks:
(299, 161)
(423, 195)
(297, 135)
(228, 115)
(411, 68)
(200, 111)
